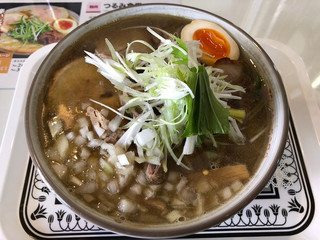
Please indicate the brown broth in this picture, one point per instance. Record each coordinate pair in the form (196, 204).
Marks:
(75, 82)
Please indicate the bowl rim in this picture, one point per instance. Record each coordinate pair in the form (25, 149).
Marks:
(161, 231)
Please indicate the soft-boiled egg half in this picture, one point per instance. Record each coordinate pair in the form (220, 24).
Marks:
(216, 43)
(64, 25)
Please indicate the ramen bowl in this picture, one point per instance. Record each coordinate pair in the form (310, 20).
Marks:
(57, 65)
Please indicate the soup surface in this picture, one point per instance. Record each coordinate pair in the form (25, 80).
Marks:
(134, 183)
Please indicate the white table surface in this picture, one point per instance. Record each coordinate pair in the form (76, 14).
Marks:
(294, 23)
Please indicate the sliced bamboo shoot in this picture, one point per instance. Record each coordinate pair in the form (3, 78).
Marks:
(223, 176)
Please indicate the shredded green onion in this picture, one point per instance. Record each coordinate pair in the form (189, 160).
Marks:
(29, 29)
(190, 99)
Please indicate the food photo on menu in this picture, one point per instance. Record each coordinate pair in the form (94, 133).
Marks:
(24, 28)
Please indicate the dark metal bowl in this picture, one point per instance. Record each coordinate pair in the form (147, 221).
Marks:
(70, 44)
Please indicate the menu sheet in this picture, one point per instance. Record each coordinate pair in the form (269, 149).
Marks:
(56, 19)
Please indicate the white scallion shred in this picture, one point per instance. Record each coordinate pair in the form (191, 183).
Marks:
(158, 90)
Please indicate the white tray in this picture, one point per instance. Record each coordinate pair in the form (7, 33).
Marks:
(14, 155)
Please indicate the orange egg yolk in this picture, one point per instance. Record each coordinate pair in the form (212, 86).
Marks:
(213, 43)
(64, 25)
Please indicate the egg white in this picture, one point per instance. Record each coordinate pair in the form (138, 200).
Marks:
(188, 31)
(64, 31)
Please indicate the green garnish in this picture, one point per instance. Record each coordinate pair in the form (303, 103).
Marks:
(206, 114)
(238, 114)
(179, 101)
(28, 30)
(178, 54)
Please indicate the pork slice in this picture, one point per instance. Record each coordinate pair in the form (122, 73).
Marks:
(112, 137)
(154, 173)
(10, 18)
(97, 119)
(49, 37)
(49, 14)
(233, 68)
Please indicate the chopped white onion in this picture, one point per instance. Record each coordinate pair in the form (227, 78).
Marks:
(84, 106)
(141, 179)
(157, 152)
(154, 160)
(118, 165)
(55, 126)
(149, 153)
(62, 145)
(60, 169)
(89, 187)
(127, 138)
(53, 154)
(109, 147)
(199, 204)
(126, 171)
(115, 123)
(75, 180)
(235, 131)
(85, 153)
(99, 130)
(91, 175)
(140, 152)
(88, 197)
(119, 150)
(127, 206)
(113, 186)
(79, 140)
(123, 180)
(83, 122)
(236, 186)
(123, 160)
(136, 189)
(149, 193)
(150, 144)
(173, 216)
(90, 135)
(83, 131)
(104, 112)
(103, 152)
(177, 203)
(182, 183)
(188, 147)
(113, 159)
(225, 193)
(70, 136)
(168, 186)
(95, 143)
(103, 176)
(155, 187)
(145, 136)
(79, 166)
(106, 166)
(140, 160)
(130, 155)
